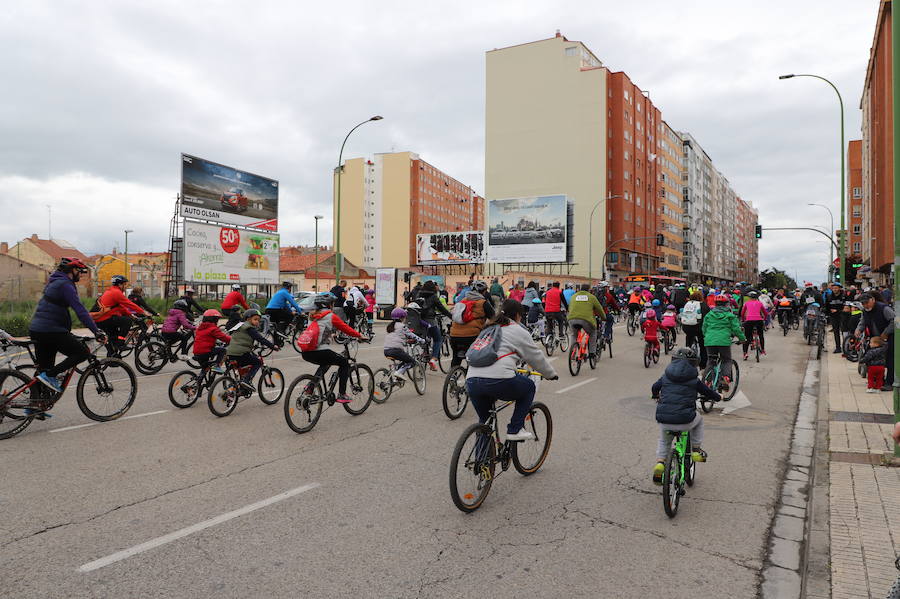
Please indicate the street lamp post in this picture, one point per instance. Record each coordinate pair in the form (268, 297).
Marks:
(830, 247)
(127, 273)
(842, 252)
(318, 217)
(591, 237)
(338, 259)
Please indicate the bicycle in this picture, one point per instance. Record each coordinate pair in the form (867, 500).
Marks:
(786, 322)
(631, 325)
(651, 353)
(668, 339)
(579, 352)
(714, 380)
(852, 348)
(186, 386)
(755, 344)
(385, 381)
(292, 332)
(153, 354)
(479, 450)
(226, 391)
(136, 335)
(553, 339)
(820, 336)
(20, 404)
(308, 392)
(680, 469)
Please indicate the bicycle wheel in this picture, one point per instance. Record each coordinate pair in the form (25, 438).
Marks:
(549, 343)
(647, 353)
(672, 483)
(303, 403)
(184, 388)
(417, 375)
(849, 349)
(757, 349)
(631, 327)
(795, 323)
(655, 356)
(128, 347)
(563, 341)
(690, 467)
(270, 386)
(443, 363)
(150, 357)
(455, 396)
(472, 467)
(445, 346)
(223, 397)
(528, 456)
(574, 361)
(14, 420)
(735, 380)
(609, 346)
(361, 387)
(106, 390)
(382, 385)
(294, 338)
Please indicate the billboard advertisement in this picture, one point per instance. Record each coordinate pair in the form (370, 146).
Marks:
(215, 254)
(463, 247)
(215, 192)
(533, 229)
(385, 286)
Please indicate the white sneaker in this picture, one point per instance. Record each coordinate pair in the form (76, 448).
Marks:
(522, 435)
(871, 390)
(397, 375)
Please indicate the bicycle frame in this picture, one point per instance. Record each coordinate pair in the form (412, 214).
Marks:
(14, 393)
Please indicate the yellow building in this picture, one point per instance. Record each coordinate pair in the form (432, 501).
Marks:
(105, 267)
(669, 158)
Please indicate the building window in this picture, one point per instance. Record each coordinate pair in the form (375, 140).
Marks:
(627, 155)
(857, 192)
(857, 211)
(572, 51)
(856, 247)
(857, 229)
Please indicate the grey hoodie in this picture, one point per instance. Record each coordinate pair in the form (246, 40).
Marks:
(517, 342)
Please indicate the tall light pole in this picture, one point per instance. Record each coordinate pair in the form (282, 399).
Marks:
(127, 273)
(338, 259)
(318, 217)
(842, 252)
(591, 236)
(830, 246)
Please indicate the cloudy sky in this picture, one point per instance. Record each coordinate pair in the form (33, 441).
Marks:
(100, 98)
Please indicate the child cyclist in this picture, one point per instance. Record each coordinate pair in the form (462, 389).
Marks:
(206, 351)
(670, 320)
(397, 338)
(318, 352)
(240, 348)
(650, 327)
(676, 410)
(177, 328)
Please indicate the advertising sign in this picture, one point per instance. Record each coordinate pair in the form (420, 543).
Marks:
(215, 192)
(214, 254)
(385, 286)
(463, 247)
(531, 229)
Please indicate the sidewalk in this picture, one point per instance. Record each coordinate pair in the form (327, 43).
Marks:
(864, 495)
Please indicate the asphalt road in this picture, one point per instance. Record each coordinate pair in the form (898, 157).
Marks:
(360, 506)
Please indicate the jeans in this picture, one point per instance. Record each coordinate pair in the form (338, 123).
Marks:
(836, 328)
(325, 358)
(665, 439)
(483, 393)
(434, 332)
(723, 352)
(401, 356)
(589, 328)
(749, 325)
(46, 346)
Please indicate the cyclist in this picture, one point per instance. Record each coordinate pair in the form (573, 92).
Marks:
(137, 296)
(583, 309)
(753, 316)
(463, 334)
(835, 307)
(719, 326)
(555, 307)
(431, 307)
(354, 305)
(658, 308)
(233, 305)
(370, 306)
(397, 338)
(116, 310)
(535, 317)
(205, 349)
(768, 304)
(609, 306)
(177, 328)
(650, 328)
(51, 325)
(240, 348)
(327, 321)
(669, 320)
(191, 302)
(784, 308)
(487, 383)
(691, 316)
(676, 395)
(568, 292)
(282, 306)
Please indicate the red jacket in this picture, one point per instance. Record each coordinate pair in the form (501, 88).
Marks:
(651, 328)
(119, 305)
(552, 302)
(370, 301)
(233, 299)
(205, 337)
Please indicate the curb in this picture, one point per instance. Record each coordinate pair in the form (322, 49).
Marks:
(787, 554)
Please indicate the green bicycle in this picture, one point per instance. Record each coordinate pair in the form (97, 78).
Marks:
(680, 469)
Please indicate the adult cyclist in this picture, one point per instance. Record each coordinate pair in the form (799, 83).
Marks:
(583, 311)
(281, 308)
(323, 356)
(233, 305)
(51, 325)
(116, 318)
(608, 301)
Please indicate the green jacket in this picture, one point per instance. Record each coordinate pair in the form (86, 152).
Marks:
(241, 341)
(584, 305)
(719, 325)
(497, 289)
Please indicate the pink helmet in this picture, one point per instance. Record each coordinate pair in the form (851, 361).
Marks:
(212, 312)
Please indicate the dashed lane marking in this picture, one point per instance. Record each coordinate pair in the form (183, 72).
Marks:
(77, 426)
(570, 387)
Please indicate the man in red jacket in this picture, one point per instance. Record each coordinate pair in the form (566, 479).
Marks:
(116, 310)
(231, 306)
(554, 304)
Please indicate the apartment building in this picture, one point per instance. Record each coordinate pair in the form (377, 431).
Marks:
(696, 179)
(669, 157)
(390, 198)
(854, 203)
(746, 246)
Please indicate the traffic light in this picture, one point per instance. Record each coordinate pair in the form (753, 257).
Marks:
(759, 231)
(660, 240)
(407, 277)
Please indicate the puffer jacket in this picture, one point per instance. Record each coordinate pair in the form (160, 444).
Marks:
(52, 312)
(176, 320)
(719, 326)
(481, 312)
(328, 322)
(677, 391)
(530, 294)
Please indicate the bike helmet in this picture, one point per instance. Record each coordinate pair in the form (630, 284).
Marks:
(287, 284)
(670, 307)
(209, 313)
(190, 290)
(69, 264)
(753, 294)
(398, 314)
(815, 304)
(722, 298)
(656, 303)
(118, 280)
(180, 304)
(479, 286)
(604, 283)
(686, 353)
(413, 306)
(236, 286)
(248, 314)
(323, 300)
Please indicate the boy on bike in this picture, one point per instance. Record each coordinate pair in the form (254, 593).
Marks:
(205, 349)
(240, 348)
(719, 326)
(322, 356)
(676, 395)
(115, 318)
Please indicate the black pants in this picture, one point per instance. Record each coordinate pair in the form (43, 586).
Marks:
(46, 345)
(325, 358)
(692, 333)
(835, 320)
(557, 319)
(179, 337)
(401, 356)
(350, 313)
(280, 317)
(116, 328)
(459, 346)
(213, 357)
(759, 325)
(248, 359)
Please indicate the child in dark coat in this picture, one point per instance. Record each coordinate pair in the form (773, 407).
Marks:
(874, 359)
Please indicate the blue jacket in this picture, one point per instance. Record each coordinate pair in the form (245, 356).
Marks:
(568, 293)
(52, 312)
(282, 300)
(677, 391)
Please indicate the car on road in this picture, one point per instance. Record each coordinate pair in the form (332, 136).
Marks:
(234, 200)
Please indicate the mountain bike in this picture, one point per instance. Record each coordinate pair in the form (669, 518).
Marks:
(820, 336)
(142, 330)
(651, 353)
(455, 395)
(680, 469)
(714, 380)
(226, 391)
(153, 354)
(631, 325)
(308, 392)
(755, 344)
(291, 334)
(480, 449)
(553, 339)
(106, 390)
(186, 386)
(386, 382)
(580, 352)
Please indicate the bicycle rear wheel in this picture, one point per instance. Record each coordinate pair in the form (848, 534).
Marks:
(106, 390)
(574, 361)
(455, 396)
(14, 420)
(150, 357)
(549, 343)
(795, 323)
(672, 483)
(529, 456)
(609, 346)
(417, 375)
(563, 341)
(303, 403)
(757, 349)
(690, 466)
(630, 326)
(735, 379)
(270, 386)
(223, 397)
(472, 467)
(360, 387)
(184, 389)
(382, 385)
(647, 358)
(594, 357)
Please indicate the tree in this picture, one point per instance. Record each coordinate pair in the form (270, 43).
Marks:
(773, 278)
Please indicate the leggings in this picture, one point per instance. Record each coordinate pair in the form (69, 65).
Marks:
(46, 346)
(325, 358)
(179, 337)
(749, 325)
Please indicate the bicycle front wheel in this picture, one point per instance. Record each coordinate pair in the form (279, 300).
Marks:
(455, 396)
(631, 327)
(184, 388)
(472, 467)
(417, 375)
(106, 390)
(549, 343)
(270, 386)
(360, 387)
(383, 385)
(303, 404)
(151, 357)
(14, 420)
(672, 483)
(735, 379)
(223, 397)
(529, 456)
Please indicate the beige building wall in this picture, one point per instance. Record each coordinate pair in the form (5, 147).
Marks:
(545, 131)
(393, 213)
(352, 213)
(32, 254)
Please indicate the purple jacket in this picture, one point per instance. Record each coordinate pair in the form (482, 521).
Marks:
(176, 320)
(52, 312)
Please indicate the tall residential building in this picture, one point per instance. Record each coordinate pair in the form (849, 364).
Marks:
(746, 246)
(389, 199)
(854, 200)
(696, 179)
(670, 154)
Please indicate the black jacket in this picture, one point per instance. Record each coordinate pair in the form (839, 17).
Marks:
(431, 305)
(875, 356)
(677, 391)
(140, 301)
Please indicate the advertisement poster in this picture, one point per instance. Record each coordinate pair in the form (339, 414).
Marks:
(385, 286)
(464, 247)
(528, 229)
(215, 192)
(214, 254)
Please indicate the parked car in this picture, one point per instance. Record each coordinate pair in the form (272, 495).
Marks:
(234, 200)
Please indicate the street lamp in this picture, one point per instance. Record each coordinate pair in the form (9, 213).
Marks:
(318, 217)
(591, 236)
(127, 273)
(842, 253)
(338, 259)
(831, 232)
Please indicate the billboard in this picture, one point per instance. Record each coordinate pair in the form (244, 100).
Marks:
(215, 254)
(215, 192)
(385, 286)
(464, 247)
(533, 229)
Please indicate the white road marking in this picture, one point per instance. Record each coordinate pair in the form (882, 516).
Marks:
(77, 426)
(584, 382)
(178, 534)
(739, 401)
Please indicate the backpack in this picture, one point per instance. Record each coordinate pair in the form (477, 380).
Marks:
(309, 338)
(691, 314)
(484, 350)
(462, 311)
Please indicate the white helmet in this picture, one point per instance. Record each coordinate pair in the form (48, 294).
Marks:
(604, 283)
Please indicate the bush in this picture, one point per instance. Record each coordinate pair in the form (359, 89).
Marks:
(15, 324)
